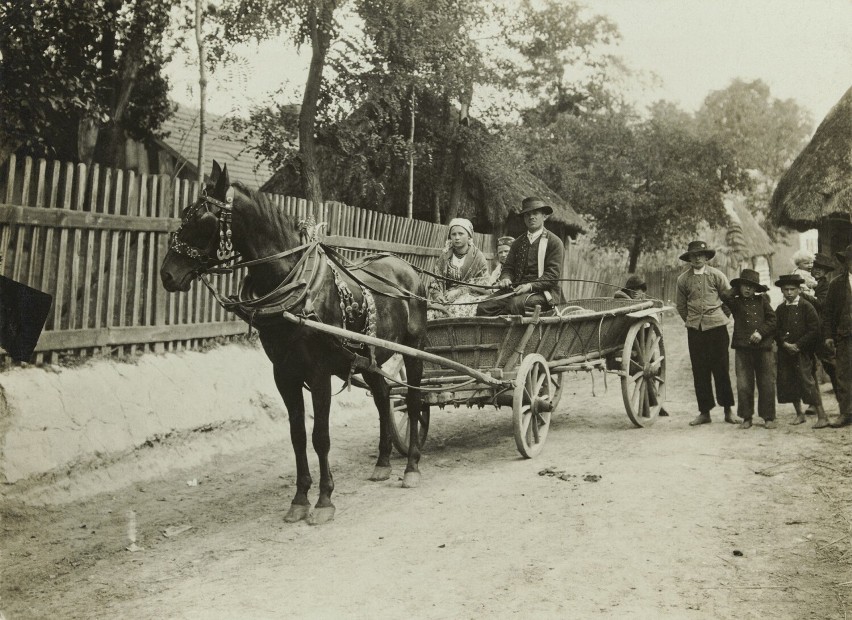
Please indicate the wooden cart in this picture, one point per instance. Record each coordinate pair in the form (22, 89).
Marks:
(530, 356)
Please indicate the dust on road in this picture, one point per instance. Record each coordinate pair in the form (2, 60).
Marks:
(610, 521)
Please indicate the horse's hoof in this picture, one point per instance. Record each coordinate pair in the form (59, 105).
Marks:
(381, 473)
(297, 512)
(321, 515)
(411, 480)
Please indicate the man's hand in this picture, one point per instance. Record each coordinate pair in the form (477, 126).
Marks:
(523, 288)
(505, 283)
(791, 348)
(755, 338)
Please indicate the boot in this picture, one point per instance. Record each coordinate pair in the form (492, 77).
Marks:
(822, 419)
(729, 416)
(746, 423)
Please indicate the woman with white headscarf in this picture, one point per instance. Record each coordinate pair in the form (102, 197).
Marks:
(461, 262)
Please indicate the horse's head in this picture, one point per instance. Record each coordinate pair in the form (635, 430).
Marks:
(204, 235)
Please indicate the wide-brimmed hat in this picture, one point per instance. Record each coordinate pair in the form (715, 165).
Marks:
(697, 247)
(789, 279)
(842, 256)
(535, 204)
(461, 222)
(505, 241)
(751, 277)
(824, 262)
(636, 283)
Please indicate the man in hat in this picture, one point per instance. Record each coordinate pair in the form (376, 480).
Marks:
(532, 268)
(699, 303)
(504, 244)
(754, 358)
(837, 331)
(823, 265)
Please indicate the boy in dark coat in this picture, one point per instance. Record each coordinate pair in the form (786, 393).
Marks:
(798, 336)
(754, 329)
(837, 332)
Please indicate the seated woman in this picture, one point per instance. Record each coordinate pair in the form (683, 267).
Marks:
(460, 262)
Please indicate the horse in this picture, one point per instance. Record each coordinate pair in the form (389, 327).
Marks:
(272, 247)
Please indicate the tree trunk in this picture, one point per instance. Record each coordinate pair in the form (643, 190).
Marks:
(202, 90)
(635, 251)
(457, 182)
(410, 211)
(436, 208)
(319, 25)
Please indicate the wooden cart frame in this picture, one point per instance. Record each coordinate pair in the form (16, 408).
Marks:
(522, 362)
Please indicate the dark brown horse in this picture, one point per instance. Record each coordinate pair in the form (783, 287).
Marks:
(301, 356)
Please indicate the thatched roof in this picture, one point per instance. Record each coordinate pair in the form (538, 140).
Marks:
(745, 236)
(819, 182)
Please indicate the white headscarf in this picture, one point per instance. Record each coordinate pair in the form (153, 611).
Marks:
(466, 224)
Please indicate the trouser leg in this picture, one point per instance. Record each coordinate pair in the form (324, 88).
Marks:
(765, 374)
(720, 342)
(744, 360)
(701, 373)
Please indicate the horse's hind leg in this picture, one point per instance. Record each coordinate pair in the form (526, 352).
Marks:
(414, 404)
(321, 393)
(291, 391)
(381, 396)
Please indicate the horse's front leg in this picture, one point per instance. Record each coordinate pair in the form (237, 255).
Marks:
(381, 396)
(414, 404)
(321, 393)
(291, 391)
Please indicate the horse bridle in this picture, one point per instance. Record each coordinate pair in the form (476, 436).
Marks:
(222, 211)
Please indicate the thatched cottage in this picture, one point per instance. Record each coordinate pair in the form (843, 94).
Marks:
(816, 191)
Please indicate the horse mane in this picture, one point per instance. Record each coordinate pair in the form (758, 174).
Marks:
(278, 220)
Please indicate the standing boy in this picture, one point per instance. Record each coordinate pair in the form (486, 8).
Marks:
(837, 332)
(532, 268)
(699, 304)
(754, 328)
(797, 337)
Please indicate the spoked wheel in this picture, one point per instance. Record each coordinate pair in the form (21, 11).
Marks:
(532, 404)
(643, 384)
(400, 424)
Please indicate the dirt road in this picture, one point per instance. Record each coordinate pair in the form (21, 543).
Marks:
(610, 522)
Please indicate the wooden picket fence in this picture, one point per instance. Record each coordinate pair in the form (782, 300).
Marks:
(94, 239)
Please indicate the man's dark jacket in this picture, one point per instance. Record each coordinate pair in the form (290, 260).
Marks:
(522, 255)
(836, 319)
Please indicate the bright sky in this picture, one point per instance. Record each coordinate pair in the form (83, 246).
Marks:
(801, 48)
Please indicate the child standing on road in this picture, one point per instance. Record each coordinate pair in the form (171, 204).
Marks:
(797, 336)
(754, 328)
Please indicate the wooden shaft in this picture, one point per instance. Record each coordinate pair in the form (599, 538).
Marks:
(391, 346)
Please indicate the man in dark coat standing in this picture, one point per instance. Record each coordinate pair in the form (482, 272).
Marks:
(532, 269)
(837, 331)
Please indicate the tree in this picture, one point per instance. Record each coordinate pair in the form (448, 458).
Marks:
(646, 184)
(307, 21)
(764, 133)
(71, 75)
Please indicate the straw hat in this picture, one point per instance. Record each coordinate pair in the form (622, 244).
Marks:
(697, 247)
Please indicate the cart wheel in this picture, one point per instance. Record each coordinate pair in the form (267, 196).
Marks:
(400, 424)
(643, 360)
(532, 404)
